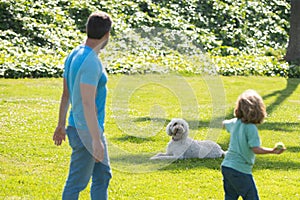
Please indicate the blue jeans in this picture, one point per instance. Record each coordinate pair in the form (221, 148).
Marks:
(238, 184)
(82, 168)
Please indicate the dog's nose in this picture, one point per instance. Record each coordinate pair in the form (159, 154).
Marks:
(175, 130)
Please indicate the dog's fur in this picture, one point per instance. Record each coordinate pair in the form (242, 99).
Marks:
(181, 146)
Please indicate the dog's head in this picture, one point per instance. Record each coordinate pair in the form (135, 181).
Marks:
(178, 129)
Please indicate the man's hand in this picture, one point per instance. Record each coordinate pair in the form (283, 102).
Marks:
(98, 150)
(59, 135)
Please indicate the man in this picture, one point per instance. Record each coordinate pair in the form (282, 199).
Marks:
(84, 87)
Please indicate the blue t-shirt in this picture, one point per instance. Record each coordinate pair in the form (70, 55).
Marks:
(83, 66)
(243, 137)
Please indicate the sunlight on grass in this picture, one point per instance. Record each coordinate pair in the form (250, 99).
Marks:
(31, 167)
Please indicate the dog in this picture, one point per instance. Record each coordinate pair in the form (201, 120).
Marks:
(181, 146)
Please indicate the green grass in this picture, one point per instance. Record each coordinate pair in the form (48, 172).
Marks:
(138, 109)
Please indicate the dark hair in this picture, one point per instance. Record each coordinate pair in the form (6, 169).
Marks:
(250, 107)
(98, 24)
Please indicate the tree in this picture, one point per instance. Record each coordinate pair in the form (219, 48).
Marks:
(293, 49)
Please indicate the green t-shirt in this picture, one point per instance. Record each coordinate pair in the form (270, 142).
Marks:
(243, 137)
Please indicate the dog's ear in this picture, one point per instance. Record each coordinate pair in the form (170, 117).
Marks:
(169, 126)
(185, 125)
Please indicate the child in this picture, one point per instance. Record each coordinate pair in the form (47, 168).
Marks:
(244, 144)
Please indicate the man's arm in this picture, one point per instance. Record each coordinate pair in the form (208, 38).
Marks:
(88, 94)
(60, 132)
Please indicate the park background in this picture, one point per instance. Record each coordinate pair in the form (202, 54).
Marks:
(240, 44)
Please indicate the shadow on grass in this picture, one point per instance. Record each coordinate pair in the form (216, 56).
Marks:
(291, 86)
(142, 164)
(279, 126)
(216, 123)
(133, 139)
(265, 163)
(295, 149)
(193, 124)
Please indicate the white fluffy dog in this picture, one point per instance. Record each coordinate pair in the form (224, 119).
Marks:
(181, 146)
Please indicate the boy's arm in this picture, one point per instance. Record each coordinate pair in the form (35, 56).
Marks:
(264, 150)
(226, 123)
(88, 93)
(60, 132)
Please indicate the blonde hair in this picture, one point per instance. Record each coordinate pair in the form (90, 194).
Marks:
(250, 107)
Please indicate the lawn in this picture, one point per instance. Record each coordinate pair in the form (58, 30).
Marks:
(138, 109)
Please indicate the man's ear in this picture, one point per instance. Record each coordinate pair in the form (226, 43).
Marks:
(106, 36)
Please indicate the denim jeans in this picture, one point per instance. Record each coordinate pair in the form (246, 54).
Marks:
(83, 167)
(238, 184)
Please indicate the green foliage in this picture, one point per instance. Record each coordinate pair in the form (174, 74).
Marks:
(37, 35)
(251, 65)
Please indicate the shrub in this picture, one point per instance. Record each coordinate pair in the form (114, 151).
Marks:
(37, 35)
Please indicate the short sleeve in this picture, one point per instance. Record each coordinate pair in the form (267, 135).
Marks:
(90, 71)
(228, 124)
(67, 66)
(252, 136)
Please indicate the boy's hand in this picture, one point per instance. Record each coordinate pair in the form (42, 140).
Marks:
(278, 151)
(59, 135)
(279, 148)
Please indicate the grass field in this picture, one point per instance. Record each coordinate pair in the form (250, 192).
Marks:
(138, 109)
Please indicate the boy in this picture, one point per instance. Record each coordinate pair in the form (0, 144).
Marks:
(244, 144)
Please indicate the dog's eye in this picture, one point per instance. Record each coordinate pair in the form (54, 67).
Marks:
(175, 124)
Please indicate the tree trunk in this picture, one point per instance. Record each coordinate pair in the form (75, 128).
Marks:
(293, 49)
